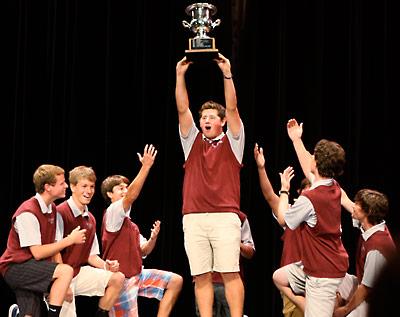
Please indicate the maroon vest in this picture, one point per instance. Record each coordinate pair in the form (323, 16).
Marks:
(323, 253)
(77, 255)
(124, 246)
(47, 222)
(291, 251)
(212, 178)
(381, 241)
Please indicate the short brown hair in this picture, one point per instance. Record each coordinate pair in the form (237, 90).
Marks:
(46, 174)
(213, 105)
(330, 158)
(375, 204)
(108, 184)
(81, 172)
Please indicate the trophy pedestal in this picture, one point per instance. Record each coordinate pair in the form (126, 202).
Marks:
(201, 49)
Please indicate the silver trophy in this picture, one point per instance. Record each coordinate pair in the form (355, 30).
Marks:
(202, 45)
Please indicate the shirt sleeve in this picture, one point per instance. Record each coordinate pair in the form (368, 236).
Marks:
(246, 234)
(59, 228)
(28, 229)
(301, 211)
(115, 216)
(374, 264)
(95, 246)
(237, 142)
(188, 140)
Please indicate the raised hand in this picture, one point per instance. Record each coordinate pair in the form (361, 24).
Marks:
(294, 129)
(155, 230)
(149, 155)
(182, 66)
(259, 156)
(286, 177)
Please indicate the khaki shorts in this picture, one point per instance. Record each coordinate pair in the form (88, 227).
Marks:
(212, 242)
(90, 281)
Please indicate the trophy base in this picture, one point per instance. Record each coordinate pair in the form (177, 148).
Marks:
(201, 55)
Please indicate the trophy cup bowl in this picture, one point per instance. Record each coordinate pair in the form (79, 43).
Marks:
(201, 46)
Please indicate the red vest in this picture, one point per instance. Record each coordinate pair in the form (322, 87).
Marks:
(124, 246)
(323, 253)
(47, 222)
(291, 251)
(212, 178)
(77, 255)
(381, 241)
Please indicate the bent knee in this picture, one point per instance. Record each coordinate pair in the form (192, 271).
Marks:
(280, 277)
(175, 282)
(117, 279)
(64, 271)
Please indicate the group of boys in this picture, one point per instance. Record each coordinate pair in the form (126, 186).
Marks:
(54, 250)
(53, 253)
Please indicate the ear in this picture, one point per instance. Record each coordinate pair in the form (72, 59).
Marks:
(109, 194)
(223, 121)
(47, 187)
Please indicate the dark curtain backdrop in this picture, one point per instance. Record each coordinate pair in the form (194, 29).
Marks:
(91, 82)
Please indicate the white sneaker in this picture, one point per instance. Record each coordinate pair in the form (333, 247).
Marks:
(13, 311)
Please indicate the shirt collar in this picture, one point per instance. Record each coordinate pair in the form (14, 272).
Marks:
(219, 137)
(322, 182)
(368, 233)
(75, 209)
(45, 209)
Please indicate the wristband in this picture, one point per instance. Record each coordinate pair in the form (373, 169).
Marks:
(283, 192)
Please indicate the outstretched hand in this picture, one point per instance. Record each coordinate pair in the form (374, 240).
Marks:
(224, 64)
(286, 177)
(149, 155)
(294, 129)
(155, 230)
(259, 156)
(182, 66)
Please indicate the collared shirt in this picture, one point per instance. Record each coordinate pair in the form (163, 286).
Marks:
(115, 216)
(375, 260)
(303, 210)
(236, 142)
(95, 249)
(27, 225)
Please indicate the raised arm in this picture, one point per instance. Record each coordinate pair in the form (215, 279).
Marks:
(346, 202)
(266, 187)
(283, 206)
(295, 132)
(232, 112)
(182, 99)
(134, 188)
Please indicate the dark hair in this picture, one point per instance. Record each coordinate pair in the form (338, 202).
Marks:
(373, 203)
(108, 184)
(330, 158)
(213, 105)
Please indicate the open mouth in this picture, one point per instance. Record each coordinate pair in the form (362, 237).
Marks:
(208, 128)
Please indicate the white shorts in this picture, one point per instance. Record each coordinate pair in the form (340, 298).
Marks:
(90, 281)
(212, 242)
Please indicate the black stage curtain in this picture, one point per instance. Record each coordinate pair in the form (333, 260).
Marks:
(92, 82)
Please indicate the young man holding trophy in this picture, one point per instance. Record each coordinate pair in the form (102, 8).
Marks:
(211, 190)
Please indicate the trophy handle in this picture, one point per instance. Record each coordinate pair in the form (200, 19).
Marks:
(215, 23)
(186, 24)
